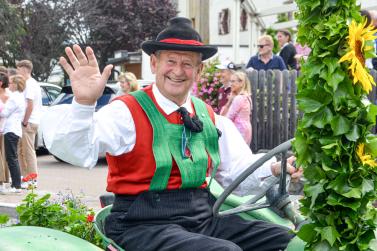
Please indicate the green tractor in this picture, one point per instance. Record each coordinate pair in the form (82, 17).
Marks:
(272, 203)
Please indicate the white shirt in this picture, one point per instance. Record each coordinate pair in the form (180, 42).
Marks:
(33, 92)
(77, 134)
(14, 112)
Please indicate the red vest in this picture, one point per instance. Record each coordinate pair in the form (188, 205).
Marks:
(132, 172)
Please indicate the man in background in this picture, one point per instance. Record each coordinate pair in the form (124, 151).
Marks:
(33, 98)
(265, 59)
(226, 68)
(373, 15)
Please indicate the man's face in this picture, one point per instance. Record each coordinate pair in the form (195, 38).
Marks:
(225, 76)
(22, 71)
(264, 47)
(176, 71)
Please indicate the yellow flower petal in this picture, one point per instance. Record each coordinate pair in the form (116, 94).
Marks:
(365, 159)
(357, 38)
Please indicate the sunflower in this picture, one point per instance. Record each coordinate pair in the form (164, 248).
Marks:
(360, 42)
(366, 159)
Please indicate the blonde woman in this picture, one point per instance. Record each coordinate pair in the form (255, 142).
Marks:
(239, 107)
(128, 83)
(14, 111)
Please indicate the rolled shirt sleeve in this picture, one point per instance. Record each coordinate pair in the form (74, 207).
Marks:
(236, 157)
(78, 135)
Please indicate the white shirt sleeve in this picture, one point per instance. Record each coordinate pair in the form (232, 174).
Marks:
(236, 157)
(89, 133)
(29, 90)
(9, 107)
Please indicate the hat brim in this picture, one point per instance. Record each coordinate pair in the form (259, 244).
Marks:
(150, 47)
(221, 67)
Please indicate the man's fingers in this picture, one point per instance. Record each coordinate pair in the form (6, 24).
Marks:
(67, 67)
(72, 58)
(106, 73)
(91, 57)
(80, 55)
(291, 159)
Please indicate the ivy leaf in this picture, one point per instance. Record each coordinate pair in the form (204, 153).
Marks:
(313, 192)
(308, 105)
(330, 234)
(302, 149)
(372, 113)
(340, 125)
(335, 200)
(355, 192)
(367, 186)
(353, 134)
(339, 185)
(323, 246)
(335, 78)
(307, 232)
(371, 144)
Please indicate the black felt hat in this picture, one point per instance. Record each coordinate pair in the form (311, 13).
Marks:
(179, 36)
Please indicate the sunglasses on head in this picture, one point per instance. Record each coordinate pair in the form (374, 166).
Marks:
(262, 45)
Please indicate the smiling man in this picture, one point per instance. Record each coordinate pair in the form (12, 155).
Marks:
(265, 59)
(161, 144)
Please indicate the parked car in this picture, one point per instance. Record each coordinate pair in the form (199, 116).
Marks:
(49, 93)
(66, 97)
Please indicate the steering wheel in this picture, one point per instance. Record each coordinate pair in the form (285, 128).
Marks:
(274, 188)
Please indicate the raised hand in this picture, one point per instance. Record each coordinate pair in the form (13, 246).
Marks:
(83, 71)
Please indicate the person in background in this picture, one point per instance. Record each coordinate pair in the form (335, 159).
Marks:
(302, 54)
(30, 123)
(238, 108)
(373, 15)
(265, 59)
(226, 70)
(128, 83)
(3, 70)
(287, 49)
(156, 170)
(11, 71)
(4, 96)
(13, 111)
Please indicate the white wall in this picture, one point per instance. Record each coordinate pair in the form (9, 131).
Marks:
(215, 8)
(146, 72)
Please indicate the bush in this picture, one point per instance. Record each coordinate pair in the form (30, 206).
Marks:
(208, 86)
(68, 214)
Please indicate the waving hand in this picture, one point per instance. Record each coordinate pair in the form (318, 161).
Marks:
(83, 71)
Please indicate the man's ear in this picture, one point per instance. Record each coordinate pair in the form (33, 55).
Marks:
(200, 70)
(153, 63)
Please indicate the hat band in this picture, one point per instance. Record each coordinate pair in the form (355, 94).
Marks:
(180, 41)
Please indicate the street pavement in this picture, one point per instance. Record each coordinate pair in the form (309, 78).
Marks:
(56, 178)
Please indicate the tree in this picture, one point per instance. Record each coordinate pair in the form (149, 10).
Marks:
(124, 24)
(36, 30)
(45, 25)
(10, 31)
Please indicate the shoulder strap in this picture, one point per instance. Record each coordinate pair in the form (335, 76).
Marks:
(160, 146)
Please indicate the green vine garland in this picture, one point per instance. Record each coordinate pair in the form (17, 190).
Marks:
(333, 142)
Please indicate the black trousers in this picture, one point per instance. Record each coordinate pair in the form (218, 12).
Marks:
(182, 220)
(10, 143)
